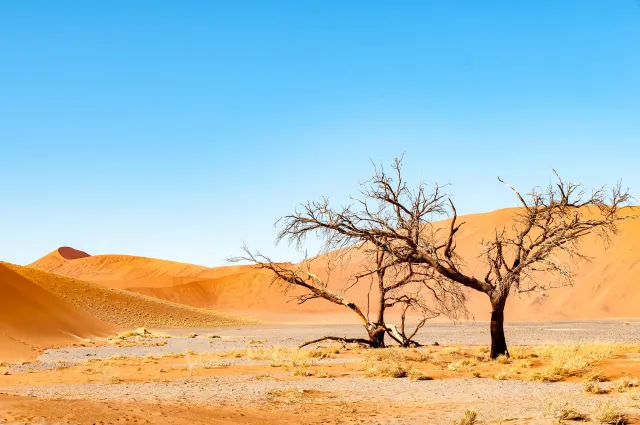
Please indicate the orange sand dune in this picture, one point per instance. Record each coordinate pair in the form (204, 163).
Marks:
(122, 308)
(32, 317)
(605, 288)
(151, 271)
(123, 270)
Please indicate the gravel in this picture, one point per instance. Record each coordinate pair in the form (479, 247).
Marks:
(437, 401)
(238, 338)
(492, 398)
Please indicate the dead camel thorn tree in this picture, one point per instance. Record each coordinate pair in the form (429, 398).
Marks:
(396, 284)
(550, 224)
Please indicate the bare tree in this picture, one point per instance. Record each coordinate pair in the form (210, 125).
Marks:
(401, 223)
(396, 284)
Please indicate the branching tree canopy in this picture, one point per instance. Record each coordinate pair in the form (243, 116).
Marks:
(398, 222)
(391, 284)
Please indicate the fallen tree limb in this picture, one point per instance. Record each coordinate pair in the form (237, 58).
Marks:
(338, 338)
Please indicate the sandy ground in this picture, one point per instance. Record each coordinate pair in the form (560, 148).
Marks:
(72, 385)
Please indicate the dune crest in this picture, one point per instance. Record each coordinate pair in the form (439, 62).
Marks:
(604, 288)
(69, 253)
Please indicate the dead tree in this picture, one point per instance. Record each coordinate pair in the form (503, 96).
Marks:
(391, 280)
(402, 223)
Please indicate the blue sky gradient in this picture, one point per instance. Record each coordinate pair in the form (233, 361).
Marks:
(180, 130)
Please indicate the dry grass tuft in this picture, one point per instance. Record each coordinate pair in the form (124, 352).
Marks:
(386, 369)
(460, 365)
(625, 383)
(286, 392)
(610, 413)
(593, 387)
(454, 350)
(416, 375)
(502, 359)
(525, 364)
(502, 375)
(595, 375)
(469, 417)
(520, 352)
(397, 354)
(563, 412)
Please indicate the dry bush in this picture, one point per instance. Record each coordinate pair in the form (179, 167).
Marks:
(469, 417)
(572, 360)
(173, 355)
(386, 369)
(140, 333)
(301, 370)
(397, 354)
(502, 375)
(545, 375)
(593, 387)
(321, 373)
(563, 412)
(595, 375)
(502, 359)
(286, 392)
(625, 383)
(520, 352)
(476, 374)
(460, 365)
(525, 364)
(417, 375)
(610, 413)
(454, 350)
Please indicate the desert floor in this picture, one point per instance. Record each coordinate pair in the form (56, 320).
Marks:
(256, 374)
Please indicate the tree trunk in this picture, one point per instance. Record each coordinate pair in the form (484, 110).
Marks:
(498, 341)
(376, 335)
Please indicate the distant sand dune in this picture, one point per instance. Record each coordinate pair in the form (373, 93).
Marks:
(607, 287)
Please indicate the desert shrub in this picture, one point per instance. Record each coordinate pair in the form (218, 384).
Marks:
(593, 387)
(469, 417)
(519, 352)
(397, 354)
(625, 383)
(459, 365)
(301, 371)
(453, 350)
(525, 364)
(609, 413)
(502, 359)
(563, 412)
(546, 375)
(502, 375)
(387, 369)
(321, 373)
(417, 375)
(595, 375)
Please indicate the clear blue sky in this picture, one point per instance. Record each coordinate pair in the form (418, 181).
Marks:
(179, 130)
